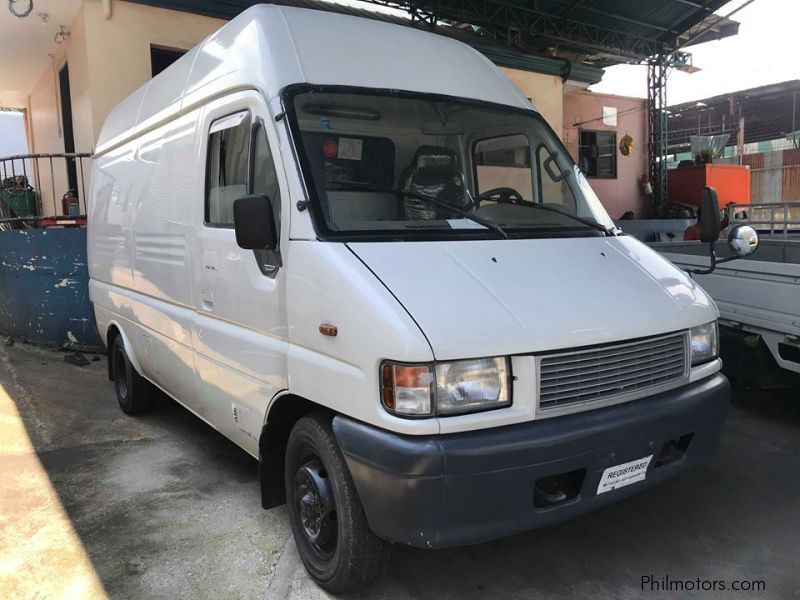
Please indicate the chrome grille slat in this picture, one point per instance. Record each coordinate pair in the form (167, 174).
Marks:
(654, 356)
(571, 381)
(620, 353)
(628, 382)
(645, 369)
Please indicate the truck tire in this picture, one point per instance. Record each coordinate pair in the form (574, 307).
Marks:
(333, 538)
(134, 393)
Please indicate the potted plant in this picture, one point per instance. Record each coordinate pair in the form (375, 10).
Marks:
(704, 156)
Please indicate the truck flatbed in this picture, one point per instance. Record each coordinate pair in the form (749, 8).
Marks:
(759, 293)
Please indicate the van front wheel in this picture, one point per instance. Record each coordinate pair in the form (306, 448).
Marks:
(134, 393)
(334, 540)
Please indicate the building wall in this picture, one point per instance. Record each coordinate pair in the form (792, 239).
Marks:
(108, 59)
(119, 48)
(45, 126)
(47, 137)
(584, 110)
(545, 91)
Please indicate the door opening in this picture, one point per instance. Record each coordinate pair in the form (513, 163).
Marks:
(161, 58)
(69, 134)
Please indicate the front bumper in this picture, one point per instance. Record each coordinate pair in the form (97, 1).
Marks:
(466, 488)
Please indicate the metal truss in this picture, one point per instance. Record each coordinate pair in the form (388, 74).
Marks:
(518, 26)
(657, 71)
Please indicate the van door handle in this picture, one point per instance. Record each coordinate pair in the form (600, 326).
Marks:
(207, 300)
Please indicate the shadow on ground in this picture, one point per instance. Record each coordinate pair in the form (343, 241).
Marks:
(166, 507)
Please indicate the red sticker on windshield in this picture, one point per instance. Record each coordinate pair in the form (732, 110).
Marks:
(330, 148)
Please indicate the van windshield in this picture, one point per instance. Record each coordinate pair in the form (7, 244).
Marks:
(386, 165)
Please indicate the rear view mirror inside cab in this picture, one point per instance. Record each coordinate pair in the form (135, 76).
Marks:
(550, 165)
(253, 222)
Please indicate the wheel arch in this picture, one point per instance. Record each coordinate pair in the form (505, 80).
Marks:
(114, 331)
(284, 411)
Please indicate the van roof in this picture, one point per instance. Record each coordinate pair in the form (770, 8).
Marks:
(269, 47)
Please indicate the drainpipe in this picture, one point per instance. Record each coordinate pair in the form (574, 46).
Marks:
(107, 9)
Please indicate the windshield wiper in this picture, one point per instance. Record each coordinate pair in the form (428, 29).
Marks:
(344, 183)
(587, 222)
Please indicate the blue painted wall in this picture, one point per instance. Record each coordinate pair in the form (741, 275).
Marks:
(44, 294)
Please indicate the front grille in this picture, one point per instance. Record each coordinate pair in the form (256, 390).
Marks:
(611, 373)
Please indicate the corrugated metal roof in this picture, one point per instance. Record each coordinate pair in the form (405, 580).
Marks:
(497, 52)
(603, 32)
(770, 112)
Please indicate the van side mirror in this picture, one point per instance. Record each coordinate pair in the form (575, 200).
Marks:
(709, 216)
(254, 223)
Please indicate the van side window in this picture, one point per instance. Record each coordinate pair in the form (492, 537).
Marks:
(265, 181)
(226, 169)
(504, 162)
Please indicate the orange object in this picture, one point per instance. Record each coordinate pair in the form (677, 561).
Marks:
(692, 233)
(732, 183)
(328, 329)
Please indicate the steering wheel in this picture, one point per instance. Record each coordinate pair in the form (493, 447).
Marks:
(501, 195)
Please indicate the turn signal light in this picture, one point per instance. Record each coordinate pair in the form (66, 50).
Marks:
(407, 389)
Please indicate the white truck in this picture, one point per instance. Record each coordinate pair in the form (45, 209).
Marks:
(357, 250)
(758, 298)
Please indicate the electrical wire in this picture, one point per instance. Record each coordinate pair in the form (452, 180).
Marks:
(619, 114)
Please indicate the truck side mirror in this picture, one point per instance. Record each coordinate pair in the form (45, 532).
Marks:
(743, 240)
(254, 223)
(709, 216)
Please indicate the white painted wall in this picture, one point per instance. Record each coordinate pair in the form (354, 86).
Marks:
(13, 141)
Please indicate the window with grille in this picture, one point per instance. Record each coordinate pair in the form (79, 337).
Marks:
(597, 154)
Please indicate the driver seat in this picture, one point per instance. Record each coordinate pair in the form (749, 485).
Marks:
(434, 171)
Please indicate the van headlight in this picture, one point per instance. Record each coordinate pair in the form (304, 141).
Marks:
(445, 388)
(704, 340)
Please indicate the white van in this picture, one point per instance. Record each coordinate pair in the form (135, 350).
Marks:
(357, 250)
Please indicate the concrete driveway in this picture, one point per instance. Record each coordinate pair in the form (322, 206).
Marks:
(94, 503)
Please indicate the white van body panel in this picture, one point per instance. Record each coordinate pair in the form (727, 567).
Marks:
(536, 295)
(328, 284)
(241, 336)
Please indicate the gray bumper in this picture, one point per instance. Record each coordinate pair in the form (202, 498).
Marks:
(450, 490)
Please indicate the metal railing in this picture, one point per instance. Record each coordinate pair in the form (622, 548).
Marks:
(49, 177)
(777, 218)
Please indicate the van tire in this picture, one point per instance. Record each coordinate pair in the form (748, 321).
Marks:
(348, 556)
(134, 393)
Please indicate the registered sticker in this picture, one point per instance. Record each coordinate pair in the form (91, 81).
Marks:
(624, 474)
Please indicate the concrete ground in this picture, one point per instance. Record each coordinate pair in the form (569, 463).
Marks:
(94, 503)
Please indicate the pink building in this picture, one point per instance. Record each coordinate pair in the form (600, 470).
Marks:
(594, 126)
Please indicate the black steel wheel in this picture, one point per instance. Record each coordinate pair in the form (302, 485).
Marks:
(316, 507)
(334, 540)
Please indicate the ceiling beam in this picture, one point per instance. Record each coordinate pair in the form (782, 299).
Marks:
(505, 19)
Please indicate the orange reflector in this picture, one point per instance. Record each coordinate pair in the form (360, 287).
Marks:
(387, 379)
(326, 329)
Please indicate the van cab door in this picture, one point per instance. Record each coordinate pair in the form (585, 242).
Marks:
(240, 298)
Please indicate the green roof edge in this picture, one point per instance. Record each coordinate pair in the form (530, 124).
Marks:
(542, 64)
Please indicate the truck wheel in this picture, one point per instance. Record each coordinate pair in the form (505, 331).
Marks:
(134, 392)
(334, 540)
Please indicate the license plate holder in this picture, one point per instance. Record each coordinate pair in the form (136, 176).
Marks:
(624, 474)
